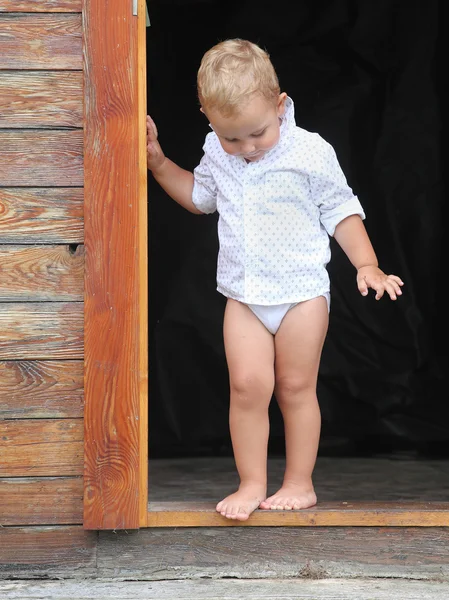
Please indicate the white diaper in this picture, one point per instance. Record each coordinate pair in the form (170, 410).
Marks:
(271, 316)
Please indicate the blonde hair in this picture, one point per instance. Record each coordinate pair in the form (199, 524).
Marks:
(233, 70)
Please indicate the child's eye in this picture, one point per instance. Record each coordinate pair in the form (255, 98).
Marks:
(231, 141)
(259, 134)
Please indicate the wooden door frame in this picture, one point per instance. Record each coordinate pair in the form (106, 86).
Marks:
(116, 304)
(115, 309)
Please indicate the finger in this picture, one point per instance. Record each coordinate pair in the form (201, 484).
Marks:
(380, 289)
(397, 279)
(395, 285)
(151, 128)
(152, 132)
(152, 150)
(361, 284)
(391, 290)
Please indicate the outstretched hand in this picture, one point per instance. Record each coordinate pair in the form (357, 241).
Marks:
(155, 155)
(374, 278)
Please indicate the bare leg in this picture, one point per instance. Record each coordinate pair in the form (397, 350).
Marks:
(250, 357)
(298, 344)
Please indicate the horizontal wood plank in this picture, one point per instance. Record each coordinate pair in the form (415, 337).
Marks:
(37, 273)
(41, 501)
(41, 389)
(40, 41)
(51, 330)
(262, 552)
(41, 6)
(36, 215)
(41, 99)
(361, 514)
(37, 551)
(41, 158)
(211, 588)
(41, 448)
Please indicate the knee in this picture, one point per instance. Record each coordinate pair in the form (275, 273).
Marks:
(294, 390)
(250, 390)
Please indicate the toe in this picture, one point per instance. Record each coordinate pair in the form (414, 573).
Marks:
(242, 515)
(272, 502)
(223, 508)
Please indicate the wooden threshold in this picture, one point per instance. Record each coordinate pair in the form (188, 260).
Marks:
(330, 514)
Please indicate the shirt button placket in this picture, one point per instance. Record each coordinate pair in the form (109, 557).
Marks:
(245, 241)
(251, 234)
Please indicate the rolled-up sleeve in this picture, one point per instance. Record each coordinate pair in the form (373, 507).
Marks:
(330, 190)
(204, 195)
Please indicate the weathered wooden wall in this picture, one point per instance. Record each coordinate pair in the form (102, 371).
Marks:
(41, 276)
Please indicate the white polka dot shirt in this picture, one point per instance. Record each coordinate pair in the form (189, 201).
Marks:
(275, 215)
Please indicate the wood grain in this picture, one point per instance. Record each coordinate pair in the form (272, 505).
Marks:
(361, 514)
(41, 389)
(47, 550)
(275, 552)
(41, 448)
(38, 273)
(230, 589)
(41, 501)
(41, 6)
(40, 41)
(143, 265)
(41, 99)
(41, 158)
(36, 215)
(41, 330)
(112, 294)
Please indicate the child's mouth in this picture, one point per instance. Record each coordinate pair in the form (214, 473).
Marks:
(253, 156)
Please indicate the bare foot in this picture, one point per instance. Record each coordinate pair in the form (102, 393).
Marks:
(291, 496)
(242, 503)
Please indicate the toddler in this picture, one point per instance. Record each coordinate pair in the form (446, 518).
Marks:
(280, 193)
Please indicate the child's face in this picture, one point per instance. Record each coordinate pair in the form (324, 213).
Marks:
(254, 131)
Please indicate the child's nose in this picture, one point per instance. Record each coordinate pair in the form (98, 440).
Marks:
(248, 147)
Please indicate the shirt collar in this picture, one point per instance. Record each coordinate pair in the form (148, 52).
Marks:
(288, 124)
(288, 118)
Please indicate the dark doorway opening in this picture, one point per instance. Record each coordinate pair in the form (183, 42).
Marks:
(370, 78)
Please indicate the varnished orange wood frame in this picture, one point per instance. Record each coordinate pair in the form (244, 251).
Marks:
(344, 514)
(115, 212)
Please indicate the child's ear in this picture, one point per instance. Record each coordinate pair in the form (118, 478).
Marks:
(281, 104)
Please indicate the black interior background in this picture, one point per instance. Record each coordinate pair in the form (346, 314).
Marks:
(371, 78)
